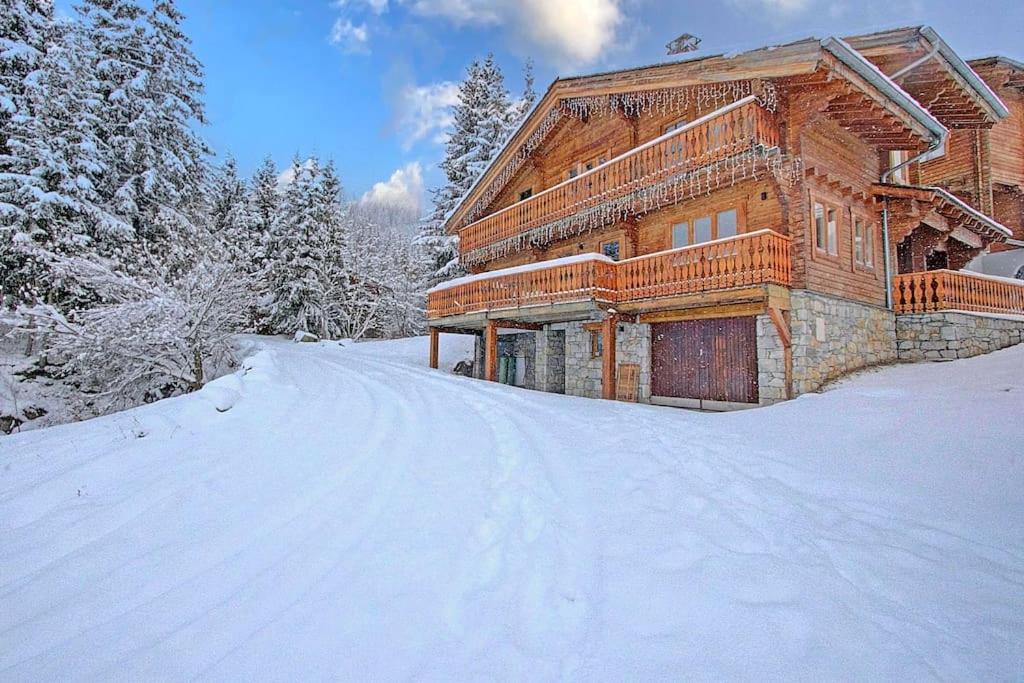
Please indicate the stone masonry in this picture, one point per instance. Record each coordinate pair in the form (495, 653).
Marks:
(954, 334)
(549, 361)
(833, 336)
(771, 363)
(583, 369)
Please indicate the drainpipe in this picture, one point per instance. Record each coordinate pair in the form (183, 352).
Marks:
(937, 144)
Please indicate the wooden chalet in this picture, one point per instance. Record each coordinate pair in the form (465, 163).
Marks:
(733, 230)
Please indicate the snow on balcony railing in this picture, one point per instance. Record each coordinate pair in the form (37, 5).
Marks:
(943, 290)
(725, 132)
(760, 257)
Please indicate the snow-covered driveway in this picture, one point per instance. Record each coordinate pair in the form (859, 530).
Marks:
(353, 515)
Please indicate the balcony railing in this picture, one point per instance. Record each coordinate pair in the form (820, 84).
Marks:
(721, 134)
(761, 257)
(943, 290)
(579, 280)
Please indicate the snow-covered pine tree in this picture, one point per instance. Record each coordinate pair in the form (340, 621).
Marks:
(482, 120)
(24, 25)
(229, 215)
(289, 257)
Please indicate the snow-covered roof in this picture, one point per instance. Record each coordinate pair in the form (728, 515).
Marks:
(526, 268)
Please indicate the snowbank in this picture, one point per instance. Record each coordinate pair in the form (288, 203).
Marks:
(355, 515)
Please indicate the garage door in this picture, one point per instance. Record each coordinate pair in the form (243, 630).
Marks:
(708, 364)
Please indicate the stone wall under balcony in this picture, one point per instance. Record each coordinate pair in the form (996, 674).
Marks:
(945, 335)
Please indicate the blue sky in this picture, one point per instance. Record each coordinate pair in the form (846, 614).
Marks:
(365, 81)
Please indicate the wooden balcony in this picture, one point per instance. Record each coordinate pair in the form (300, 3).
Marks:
(728, 131)
(944, 290)
(756, 258)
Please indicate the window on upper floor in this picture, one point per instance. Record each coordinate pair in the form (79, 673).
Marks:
(897, 157)
(863, 243)
(674, 151)
(826, 228)
(526, 194)
(705, 228)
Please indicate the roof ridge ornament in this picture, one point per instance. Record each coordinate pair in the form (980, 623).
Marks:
(683, 44)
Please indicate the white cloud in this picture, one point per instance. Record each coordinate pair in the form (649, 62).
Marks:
(403, 190)
(350, 37)
(425, 111)
(776, 9)
(568, 32)
(375, 6)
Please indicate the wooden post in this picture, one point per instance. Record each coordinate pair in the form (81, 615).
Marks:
(435, 338)
(608, 357)
(491, 351)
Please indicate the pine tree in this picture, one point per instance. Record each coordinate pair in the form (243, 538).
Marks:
(290, 258)
(230, 216)
(481, 122)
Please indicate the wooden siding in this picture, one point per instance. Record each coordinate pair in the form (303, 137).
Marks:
(840, 170)
(1007, 138)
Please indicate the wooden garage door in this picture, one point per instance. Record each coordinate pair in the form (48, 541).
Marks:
(705, 360)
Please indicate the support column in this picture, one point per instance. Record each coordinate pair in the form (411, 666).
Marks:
(435, 338)
(491, 351)
(608, 328)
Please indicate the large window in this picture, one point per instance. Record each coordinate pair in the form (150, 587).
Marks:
(705, 228)
(826, 228)
(863, 243)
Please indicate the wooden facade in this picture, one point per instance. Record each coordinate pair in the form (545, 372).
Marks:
(698, 186)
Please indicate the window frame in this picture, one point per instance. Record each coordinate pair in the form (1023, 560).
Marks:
(827, 205)
(691, 219)
(867, 260)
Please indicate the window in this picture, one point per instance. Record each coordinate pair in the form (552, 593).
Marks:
(610, 249)
(674, 153)
(680, 235)
(702, 230)
(863, 243)
(706, 228)
(897, 157)
(676, 125)
(725, 223)
(826, 228)
(526, 194)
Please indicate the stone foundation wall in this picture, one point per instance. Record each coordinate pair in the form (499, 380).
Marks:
(833, 336)
(549, 361)
(583, 370)
(771, 363)
(952, 334)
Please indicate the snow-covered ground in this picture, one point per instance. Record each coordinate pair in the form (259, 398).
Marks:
(344, 512)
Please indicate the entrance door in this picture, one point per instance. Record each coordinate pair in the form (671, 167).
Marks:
(709, 364)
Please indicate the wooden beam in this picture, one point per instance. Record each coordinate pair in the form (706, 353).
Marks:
(491, 352)
(435, 337)
(608, 329)
(722, 311)
(516, 324)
